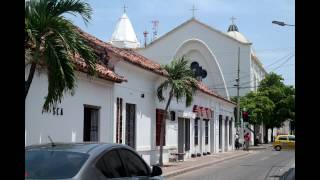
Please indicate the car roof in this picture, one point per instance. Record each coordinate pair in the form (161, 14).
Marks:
(281, 135)
(83, 147)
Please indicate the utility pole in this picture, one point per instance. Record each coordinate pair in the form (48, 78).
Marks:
(238, 98)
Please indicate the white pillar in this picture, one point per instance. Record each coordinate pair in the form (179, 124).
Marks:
(222, 135)
(227, 135)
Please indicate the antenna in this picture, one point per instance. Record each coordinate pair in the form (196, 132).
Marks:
(145, 34)
(155, 24)
(52, 143)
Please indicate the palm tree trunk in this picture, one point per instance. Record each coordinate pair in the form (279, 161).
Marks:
(266, 135)
(254, 135)
(162, 129)
(32, 70)
(29, 80)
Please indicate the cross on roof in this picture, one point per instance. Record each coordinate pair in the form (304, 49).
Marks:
(232, 19)
(124, 8)
(193, 9)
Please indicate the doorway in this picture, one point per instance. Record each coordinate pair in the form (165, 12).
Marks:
(91, 123)
(183, 136)
(226, 134)
(131, 125)
(220, 132)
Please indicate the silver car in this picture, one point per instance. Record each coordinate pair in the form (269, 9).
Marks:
(86, 161)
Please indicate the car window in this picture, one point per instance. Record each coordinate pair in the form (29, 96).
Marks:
(49, 164)
(110, 165)
(281, 138)
(292, 138)
(134, 164)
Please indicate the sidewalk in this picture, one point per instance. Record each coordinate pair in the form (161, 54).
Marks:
(175, 168)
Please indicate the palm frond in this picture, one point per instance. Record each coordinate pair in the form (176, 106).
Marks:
(55, 40)
(61, 75)
(73, 7)
(181, 79)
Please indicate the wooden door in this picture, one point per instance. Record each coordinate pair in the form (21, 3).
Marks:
(131, 125)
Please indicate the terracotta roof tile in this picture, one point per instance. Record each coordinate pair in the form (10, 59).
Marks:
(102, 71)
(126, 54)
(202, 87)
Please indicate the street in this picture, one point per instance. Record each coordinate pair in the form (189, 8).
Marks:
(266, 164)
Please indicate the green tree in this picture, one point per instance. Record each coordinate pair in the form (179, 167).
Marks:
(282, 96)
(272, 104)
(52, 42)
(181, 83)
(259, 108)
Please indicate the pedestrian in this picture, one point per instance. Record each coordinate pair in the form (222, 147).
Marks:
(257, 139)
(237, 144)
(247, 139)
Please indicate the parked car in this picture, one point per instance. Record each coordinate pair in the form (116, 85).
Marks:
(284, 142)
(86, 161)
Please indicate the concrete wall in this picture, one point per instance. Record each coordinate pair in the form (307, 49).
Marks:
(69, 126)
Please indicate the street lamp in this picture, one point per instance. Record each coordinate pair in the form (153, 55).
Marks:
(280, 23)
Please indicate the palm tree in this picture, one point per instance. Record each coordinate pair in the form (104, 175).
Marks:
(181, 83)
(52, 42)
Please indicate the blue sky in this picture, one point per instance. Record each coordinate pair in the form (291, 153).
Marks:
(273, 44)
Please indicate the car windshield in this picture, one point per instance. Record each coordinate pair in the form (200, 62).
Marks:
(51, 164)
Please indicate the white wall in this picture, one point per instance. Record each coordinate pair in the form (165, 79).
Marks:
(139, 82)
(223, 48)
(69, 126)
(218, 106)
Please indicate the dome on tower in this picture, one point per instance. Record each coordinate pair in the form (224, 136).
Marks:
(234, 33)
(124, 35)
(233, 27)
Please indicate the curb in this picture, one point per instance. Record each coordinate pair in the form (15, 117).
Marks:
(181, 171)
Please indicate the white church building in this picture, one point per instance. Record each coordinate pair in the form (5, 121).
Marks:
(120, 104)
(216, 52)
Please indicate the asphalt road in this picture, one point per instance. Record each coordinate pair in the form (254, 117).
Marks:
(265, 165)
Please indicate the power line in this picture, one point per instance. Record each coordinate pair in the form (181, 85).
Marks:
(247, 82)
(248, 74)
(271, 70)
(283, 63)
(278, 60)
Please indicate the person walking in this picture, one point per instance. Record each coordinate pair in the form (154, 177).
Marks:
(247, 139)
(237, 144)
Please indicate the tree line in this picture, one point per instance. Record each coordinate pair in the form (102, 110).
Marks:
(271, 105)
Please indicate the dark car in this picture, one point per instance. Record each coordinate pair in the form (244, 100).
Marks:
(86, 161)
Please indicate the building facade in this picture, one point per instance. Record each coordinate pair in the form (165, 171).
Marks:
(120, 106)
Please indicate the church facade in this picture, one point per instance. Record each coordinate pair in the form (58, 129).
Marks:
(217, 53)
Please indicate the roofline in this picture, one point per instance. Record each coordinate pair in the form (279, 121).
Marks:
(207, 26)
(219, 97)
(163, 74)
(255, 58)
(113, 48)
